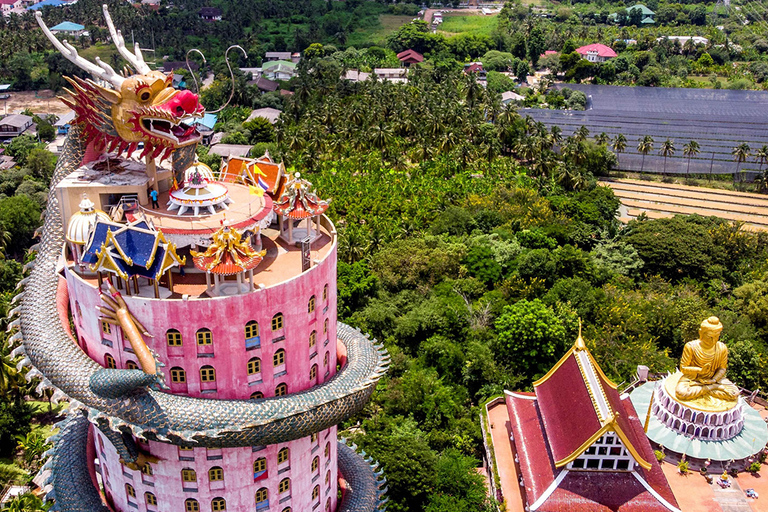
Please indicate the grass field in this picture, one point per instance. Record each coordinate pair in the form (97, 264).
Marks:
(104, 52)
(475, 24)
(377, 35)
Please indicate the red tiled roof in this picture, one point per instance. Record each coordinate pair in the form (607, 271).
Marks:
(232, 170)
(410, 55)
(227, 266)
(297, 200)
(569, 417)
(273, 172)
(548, 52)
(601, 49)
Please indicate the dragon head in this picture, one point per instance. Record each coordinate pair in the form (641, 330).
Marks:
(139, 107)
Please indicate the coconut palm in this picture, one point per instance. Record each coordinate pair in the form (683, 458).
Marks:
(581, 134)
(644, 146)
(740, 154)
(619, 144)
(602, 138)
(690, 150)
(667, 150)
(761, 156)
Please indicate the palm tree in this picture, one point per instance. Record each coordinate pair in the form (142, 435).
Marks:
(619, 144)
(644, 146)
(602, 138)
(761, 156)
(667, 150)
(581, 134)
(740, 154)
(690, 150)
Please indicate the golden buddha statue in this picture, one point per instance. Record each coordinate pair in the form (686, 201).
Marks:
(703, 366)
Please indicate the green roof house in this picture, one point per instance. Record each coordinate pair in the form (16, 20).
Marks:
(646, 14)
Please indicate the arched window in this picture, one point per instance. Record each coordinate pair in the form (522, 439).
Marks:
(313, 372)
(215, 474)
(287, 509)
(130, 491)
(311, 305)
(256, 395)
(281, 389)
(204, 337)
(328, 477)
(328, 504)
(325, 293)
(178, 375)
(191, 505)
(218, 505)
(327, 451)
(106, 327)
(109, 361)
(146, 469)
(325, 326)
(283, 455)
(316, 492)
(325, 359)
(188, 475)
(150, 499)
(277, 322)
(131, 365)
(312, 339)
(315, 464)
(259, 466)
(313, 438)
(262, 495)
(284, 486)
(252, 329)
(207, 374)
(173, 337)
(279, 357)
(254, 366)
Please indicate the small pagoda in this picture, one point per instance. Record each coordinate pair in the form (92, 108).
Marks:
(201, 193)
(80, 226)
(229, 254)
(298, 211)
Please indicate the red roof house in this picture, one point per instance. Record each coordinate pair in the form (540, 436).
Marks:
(596, 52)
(581, 446)
(409, 57)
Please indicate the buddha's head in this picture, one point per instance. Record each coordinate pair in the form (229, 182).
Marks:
(709, 331)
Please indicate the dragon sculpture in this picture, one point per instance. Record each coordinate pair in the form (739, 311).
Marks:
(115, 112)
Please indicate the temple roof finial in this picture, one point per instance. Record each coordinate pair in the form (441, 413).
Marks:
(580, 345)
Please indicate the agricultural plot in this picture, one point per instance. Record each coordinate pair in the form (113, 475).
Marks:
(717, 120)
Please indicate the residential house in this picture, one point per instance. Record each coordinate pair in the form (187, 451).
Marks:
(396, 75)
(48, 3)
(695, 40)
(477, 69)
(227, 150)
(268, 113)
(68, 28)
(7, 5)
(63, 124)
(278, 70)
(294, 57)
(596, 52)
(354, 75)
(264, 85)
(13, 125)
(646, 15)
(409, 57)
(508, 97)
(210, 14)
(205, 127)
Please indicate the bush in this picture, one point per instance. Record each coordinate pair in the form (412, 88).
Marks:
(659, 455)
(682, 467)
(754, 467)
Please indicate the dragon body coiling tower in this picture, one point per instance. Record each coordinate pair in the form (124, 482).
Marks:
(197, 342)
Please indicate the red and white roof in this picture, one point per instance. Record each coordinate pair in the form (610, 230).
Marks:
(298, 201)
(575, 405)
(596, 48)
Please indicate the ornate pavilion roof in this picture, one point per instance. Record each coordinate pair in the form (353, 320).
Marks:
(573, 405)
(298, 201)
(263, 171)
(130, 250)
(228, 254)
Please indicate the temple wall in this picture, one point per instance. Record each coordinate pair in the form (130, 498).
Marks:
(226, 318)
(238, 487)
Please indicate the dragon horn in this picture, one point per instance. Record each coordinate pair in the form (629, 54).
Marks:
(135, 59)
(105, 73)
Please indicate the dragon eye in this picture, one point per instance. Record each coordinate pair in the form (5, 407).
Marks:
(145, 96)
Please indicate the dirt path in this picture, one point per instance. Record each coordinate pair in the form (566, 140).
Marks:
(430, 12)
(40, 102)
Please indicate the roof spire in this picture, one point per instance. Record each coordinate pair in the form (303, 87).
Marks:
(580, 345)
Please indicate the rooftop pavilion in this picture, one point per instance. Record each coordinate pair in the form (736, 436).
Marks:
(119, 189)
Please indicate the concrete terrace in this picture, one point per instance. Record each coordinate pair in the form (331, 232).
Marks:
(660, 200)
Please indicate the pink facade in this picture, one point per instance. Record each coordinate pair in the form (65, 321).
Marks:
(226, 319)
(252, 354)
(238, 487)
